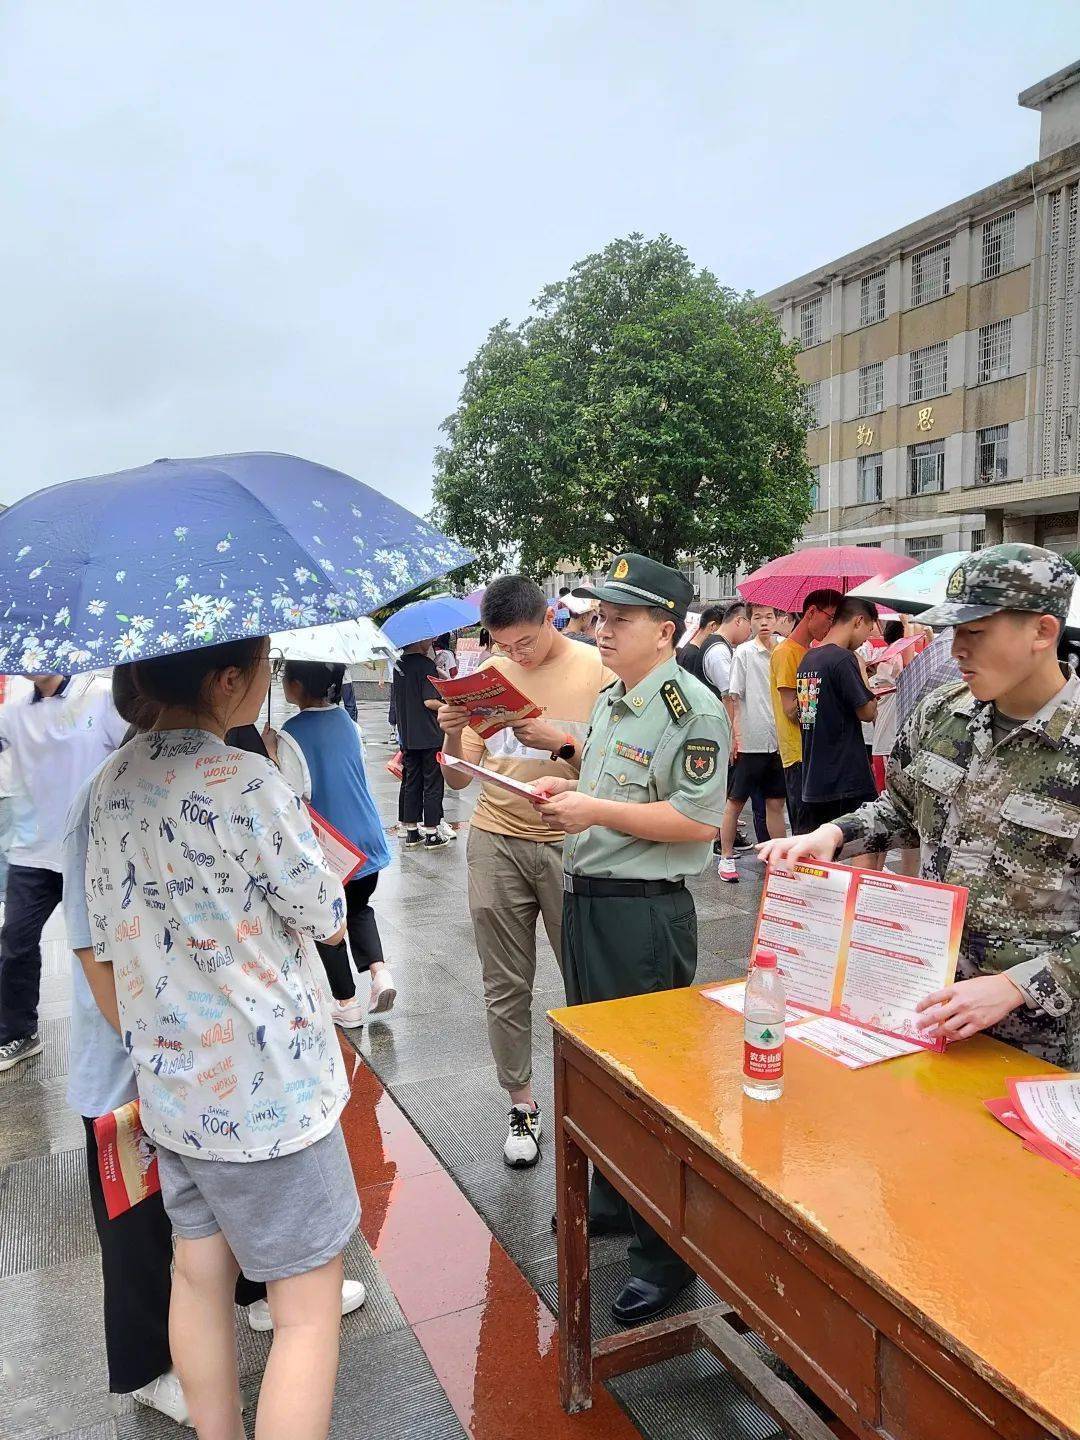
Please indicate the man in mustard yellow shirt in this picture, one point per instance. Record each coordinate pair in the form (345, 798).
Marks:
(819, 607)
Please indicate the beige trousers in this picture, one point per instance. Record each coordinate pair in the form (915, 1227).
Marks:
(511, 882)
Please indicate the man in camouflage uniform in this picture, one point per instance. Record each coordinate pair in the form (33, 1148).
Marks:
(985, 778)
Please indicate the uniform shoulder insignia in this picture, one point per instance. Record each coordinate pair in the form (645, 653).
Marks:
(678, 707)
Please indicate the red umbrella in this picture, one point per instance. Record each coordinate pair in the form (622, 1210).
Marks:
(786, 581)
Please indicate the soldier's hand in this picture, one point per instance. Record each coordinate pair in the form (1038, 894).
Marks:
(820, 844)
(962, 1010)
(452, 718)
(550, 785)
(569, 811)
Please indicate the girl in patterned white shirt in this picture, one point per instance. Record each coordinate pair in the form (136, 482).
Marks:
(202, 874)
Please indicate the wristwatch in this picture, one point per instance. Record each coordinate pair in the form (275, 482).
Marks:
(566, 751)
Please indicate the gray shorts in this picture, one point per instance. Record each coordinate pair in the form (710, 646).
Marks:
(280, 1217)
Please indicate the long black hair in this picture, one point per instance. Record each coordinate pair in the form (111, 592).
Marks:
(181, 679)
(317, 680)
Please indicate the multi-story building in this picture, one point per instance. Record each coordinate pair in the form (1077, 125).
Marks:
(942, 363)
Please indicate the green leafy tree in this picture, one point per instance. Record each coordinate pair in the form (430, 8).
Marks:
(640, 406)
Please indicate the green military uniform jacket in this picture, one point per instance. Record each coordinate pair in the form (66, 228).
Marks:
(1003, 820)
(667, 739)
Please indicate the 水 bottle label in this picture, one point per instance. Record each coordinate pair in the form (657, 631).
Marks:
(763, 1051)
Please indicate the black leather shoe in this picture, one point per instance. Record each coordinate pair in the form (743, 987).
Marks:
(638, 1300)
(599, 1225)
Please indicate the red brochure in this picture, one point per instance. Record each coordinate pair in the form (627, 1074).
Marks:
(491, 700)
(127, 1160)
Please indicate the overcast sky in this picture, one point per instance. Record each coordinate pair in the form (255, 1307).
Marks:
(250, 224)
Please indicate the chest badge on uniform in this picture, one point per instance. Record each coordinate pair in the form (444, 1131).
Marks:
(699, 760)
(632, 752)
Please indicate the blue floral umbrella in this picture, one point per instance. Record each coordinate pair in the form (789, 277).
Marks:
(185, 553)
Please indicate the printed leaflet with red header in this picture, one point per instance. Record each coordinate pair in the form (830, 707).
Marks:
(491, 700)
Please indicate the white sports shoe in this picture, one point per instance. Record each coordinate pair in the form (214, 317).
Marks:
(725, 868)
(383, 992)
(353, 1296)
(522, 1148)
(446, 830)
(167, 1395)
(349, 1014)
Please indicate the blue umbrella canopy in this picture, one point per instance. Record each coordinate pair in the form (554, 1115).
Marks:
(424, 619)
(184, 553)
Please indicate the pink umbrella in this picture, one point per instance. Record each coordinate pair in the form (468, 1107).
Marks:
(786, 581)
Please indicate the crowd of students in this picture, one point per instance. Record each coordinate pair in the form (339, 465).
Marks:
(215, 950)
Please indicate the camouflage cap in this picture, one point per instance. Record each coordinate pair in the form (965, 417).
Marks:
(1005, 577)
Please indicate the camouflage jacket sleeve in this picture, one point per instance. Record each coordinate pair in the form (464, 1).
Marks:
(1050, 982)
(889, 820)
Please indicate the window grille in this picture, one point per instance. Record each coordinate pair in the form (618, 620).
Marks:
(922, 547)
(871, 388)
(998, 237)
(869, 472)
(926, 467)
(810, 323)
(872, 298)
(995, 350)
(992, 454)
(928, 371)
(930, 274)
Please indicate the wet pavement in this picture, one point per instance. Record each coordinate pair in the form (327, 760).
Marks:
(458, 1335)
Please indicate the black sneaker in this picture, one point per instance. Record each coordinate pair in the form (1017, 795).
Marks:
(435, 840)
(16, 1051)
(412, 839)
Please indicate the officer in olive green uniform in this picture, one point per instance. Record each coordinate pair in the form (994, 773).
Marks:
(629, 925)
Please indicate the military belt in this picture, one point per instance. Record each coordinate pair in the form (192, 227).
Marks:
(621, 889)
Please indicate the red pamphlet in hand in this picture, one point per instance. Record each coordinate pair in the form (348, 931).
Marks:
(491, 700)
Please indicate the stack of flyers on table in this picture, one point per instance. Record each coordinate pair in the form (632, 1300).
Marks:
(859, 949)
(492, 701)
(1044, 1110)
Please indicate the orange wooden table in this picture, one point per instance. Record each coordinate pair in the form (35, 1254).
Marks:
(896, 1246)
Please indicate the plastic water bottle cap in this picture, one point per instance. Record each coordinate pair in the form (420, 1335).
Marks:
(765, 959)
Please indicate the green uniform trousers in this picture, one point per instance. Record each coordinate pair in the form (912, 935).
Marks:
(614, 947)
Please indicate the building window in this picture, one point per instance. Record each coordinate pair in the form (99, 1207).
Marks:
(978, 539)
(926, 467)
(689, 568)
(930, 274)
(868, 469)
(872, 298)
(815, 488)
(922, 547)
(997, 245)
(991, 455)
(928, 372)
(868, 544)
(812, 401)
(871, 388)
(995, 351)
(810, 323)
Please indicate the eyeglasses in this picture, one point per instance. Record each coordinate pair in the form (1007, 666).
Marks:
(522, 649)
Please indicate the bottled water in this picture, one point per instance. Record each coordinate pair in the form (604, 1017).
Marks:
(764, 1008)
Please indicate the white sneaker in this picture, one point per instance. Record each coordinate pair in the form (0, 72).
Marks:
(383, 992)
(725, 868)
(353, 1296)
(167, 1395)
(349, 1014)
(522, 1148)
(446, 830)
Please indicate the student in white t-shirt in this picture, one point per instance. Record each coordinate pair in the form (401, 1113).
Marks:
(205, 885)
(52, 741)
